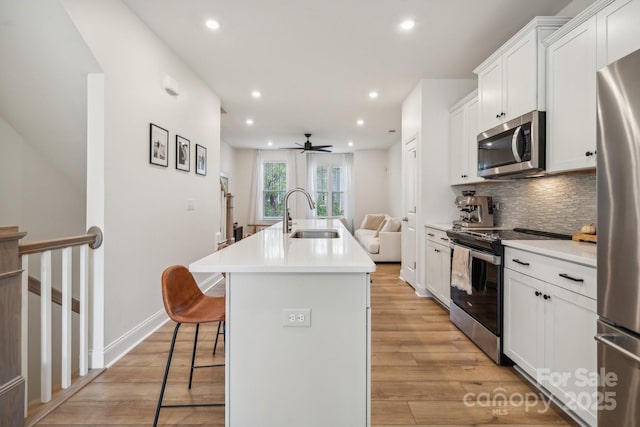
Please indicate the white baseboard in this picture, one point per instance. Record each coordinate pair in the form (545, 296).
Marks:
(423, 293)
(124, 344)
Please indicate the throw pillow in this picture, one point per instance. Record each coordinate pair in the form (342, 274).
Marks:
(372, 222)
(380, 227)
(392, 225)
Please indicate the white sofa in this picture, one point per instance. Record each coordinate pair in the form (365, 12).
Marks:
(382, 242)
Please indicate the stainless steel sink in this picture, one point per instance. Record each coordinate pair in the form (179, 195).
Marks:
(315, 234)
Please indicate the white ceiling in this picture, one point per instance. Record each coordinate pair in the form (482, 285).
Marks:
(316, 61)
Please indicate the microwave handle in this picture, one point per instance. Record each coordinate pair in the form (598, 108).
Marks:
(514, 144)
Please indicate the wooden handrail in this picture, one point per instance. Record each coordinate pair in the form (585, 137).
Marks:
(56, 294)
(93, 238)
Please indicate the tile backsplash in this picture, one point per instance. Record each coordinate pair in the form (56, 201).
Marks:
(560, 203)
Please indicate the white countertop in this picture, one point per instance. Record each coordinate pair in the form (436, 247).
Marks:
(568, 250)
(441, 227)
(272, 251)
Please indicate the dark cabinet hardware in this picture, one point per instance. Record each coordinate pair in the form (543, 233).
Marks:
(497, 116)
(444, 238)
(590, 153)
(538, 293)
(517, 261)
(431, 235)
(547, 297)
(566, 276)
(437, 250)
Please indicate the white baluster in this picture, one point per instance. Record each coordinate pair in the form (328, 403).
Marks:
(45, 327)
(84, 319)
(25, 328)
(66, 318)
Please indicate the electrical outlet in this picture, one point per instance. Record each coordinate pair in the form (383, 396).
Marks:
(296, 317)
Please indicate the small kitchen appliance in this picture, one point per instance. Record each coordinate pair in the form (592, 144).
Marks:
(476, 211)
(513, 149)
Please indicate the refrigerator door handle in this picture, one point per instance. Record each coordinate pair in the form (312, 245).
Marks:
(609, 340)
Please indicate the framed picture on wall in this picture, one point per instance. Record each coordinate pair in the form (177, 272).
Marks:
(201, 160)
(183, 152)
(158, 145)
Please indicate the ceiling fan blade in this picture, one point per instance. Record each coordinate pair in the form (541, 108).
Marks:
(322, 146)
(321, 149)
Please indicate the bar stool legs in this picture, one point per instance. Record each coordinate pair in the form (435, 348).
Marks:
(166, 375)
(215, 345)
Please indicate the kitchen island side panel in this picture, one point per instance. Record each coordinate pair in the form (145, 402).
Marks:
(294, 375)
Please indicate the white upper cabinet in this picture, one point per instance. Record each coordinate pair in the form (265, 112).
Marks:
(571, 99)
(601, 34)
(511, 82)
(463, 132)
(618, 31)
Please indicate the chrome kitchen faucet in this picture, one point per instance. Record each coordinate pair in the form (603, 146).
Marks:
(286, 218)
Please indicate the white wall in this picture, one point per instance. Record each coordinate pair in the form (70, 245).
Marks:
(370, 177)
(575, 7)
(228, 163)
(30, 187)
(394, 179)
(243, 165)
(147, 226)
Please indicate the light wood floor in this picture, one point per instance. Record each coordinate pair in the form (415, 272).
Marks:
(422, 369)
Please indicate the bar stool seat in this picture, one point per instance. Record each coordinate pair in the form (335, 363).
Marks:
(184, 302)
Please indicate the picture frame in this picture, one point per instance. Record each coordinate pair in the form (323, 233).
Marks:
(183, 154)
(201, 160)
(158, 145)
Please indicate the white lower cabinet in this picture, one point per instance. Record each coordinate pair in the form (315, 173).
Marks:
(549, 330)
(438, 271)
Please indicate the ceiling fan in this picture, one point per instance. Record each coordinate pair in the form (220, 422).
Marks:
(309, 147)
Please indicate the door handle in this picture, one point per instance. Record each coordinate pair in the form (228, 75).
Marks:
(608, 341)
(514, 144)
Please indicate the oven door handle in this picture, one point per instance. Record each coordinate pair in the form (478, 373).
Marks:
(491, 259)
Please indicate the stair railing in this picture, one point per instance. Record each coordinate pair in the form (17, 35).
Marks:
(92, 239)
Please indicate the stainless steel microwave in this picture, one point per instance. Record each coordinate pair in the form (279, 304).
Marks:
(513, 149)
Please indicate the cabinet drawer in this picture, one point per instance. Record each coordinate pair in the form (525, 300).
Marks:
(568, 275)
(437, 236)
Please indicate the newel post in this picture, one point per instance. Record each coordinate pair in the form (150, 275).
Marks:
(12, 382)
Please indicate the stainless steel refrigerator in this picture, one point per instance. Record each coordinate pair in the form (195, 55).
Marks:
(618, 177)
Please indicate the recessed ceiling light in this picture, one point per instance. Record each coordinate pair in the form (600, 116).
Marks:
(269, 143)
(212, 24)
(256, 94)
(408, 24)
(373, 94)
(249, 122)
(360, 122)
(350, 143)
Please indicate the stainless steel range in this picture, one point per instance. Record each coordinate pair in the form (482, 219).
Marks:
(476, 305)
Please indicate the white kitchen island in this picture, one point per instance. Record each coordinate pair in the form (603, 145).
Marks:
(297, 347)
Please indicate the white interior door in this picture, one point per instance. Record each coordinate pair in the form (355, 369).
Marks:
(409, 235)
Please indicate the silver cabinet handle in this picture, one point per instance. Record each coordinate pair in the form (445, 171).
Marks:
(608, 340)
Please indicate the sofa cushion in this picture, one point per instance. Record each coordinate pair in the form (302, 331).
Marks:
(368, 240)
(392, 224)
(372, 221)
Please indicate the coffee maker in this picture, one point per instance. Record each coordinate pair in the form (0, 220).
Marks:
(476, 211)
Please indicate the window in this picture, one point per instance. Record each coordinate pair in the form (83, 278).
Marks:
(330, 197)
(274, 184)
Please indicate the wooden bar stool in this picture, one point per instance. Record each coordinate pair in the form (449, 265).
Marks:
(184, 302)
